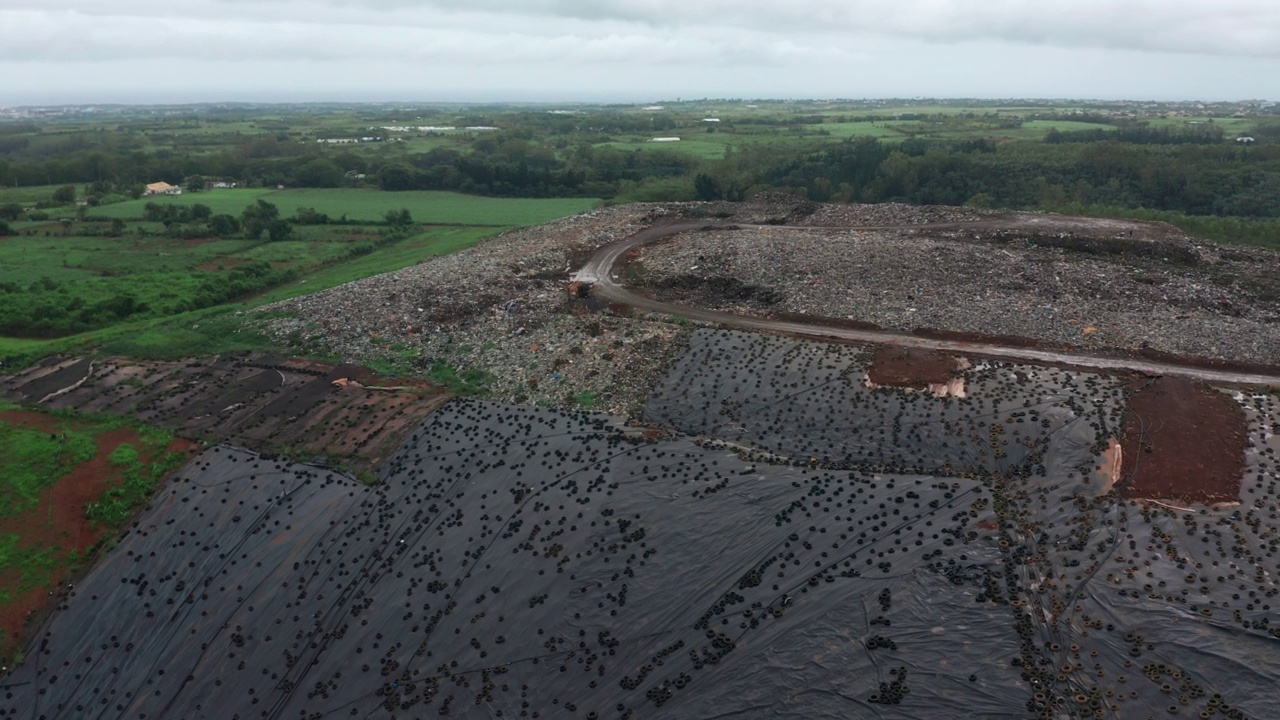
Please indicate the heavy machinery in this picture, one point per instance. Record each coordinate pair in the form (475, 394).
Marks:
(579, 289)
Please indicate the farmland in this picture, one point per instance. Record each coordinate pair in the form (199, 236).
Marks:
(1209, 168)
(76, 283)
(144, 274)
(427, 207)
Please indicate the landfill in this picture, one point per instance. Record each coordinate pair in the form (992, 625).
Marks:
(801, 544)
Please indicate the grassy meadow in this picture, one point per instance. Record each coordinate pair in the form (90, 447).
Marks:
(426, 206)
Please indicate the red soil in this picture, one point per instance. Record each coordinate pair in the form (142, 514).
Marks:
(59, 519)
(823, 320)
(1183, 441)
(904, 367)
(1207, 363)
(968, 337)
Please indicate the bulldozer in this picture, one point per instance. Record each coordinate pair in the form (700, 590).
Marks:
(579, 289)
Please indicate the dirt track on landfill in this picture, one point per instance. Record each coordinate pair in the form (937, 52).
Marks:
(602, 267)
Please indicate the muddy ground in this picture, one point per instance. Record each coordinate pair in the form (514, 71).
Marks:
(1183, 441)
(903, 367)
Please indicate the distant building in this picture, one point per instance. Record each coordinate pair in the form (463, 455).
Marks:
(1245, 140)
(162, 188)
(665, 139)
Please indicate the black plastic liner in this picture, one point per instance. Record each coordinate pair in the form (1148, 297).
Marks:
(518, 562)
(808, 401)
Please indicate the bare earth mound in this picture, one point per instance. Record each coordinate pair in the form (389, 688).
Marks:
(897, 366)
(1183, 441)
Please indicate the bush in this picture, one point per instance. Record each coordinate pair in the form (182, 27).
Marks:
(223, 225)
(398, 218)
(309, 216)
(279, 230)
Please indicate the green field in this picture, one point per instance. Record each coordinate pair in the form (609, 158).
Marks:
(696, 142)
(697, 147)
(702, 145)
(159, 271)
(429, 207)
(879, 130)
(168, 274)
(27, 195)
(411, 251)
(1231, 126)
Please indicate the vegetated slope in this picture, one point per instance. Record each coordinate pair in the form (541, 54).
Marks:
(519, 560)
(67, 484)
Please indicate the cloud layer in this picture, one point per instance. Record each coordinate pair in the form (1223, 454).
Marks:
(637, 41)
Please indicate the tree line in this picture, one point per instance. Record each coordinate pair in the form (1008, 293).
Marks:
(1194, 170)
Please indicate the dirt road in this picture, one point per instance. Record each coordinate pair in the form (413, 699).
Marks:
(600, 270)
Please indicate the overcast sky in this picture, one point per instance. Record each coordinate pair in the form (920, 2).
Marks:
(94, 51)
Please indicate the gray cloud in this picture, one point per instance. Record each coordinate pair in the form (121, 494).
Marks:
(801, 43)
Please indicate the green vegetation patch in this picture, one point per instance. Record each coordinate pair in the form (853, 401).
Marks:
(459, 381)
(362, 205)
(228, 202)
(34, 565)
(42, 544)
(33, 460)
(117, 505)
